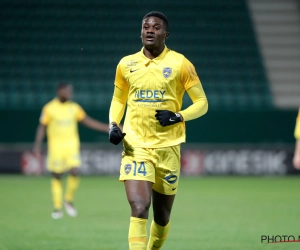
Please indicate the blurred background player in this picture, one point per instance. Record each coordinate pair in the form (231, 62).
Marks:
(60, 117)
(296, 159)
(152, 83)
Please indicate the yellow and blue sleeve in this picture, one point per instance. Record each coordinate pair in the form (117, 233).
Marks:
(191, 83)
(80, 114)
(120, 81)
(188, 75)
(199, 106)
(45, 116)
(118, 104)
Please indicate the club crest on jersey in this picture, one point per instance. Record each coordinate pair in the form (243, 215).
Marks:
(167, 71)
(127, 168)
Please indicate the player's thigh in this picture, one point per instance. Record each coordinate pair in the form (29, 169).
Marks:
(73, 159)
(167, 170)
(138, 193)
(137, 166)
(162, 207)
(55, 161)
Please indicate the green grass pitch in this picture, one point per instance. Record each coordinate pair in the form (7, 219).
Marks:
(211, 213)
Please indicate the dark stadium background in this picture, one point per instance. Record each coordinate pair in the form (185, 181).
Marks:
(81, 42)
(246, 132)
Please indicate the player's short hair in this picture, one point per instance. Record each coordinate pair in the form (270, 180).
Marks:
(160, 16)
(62, 85)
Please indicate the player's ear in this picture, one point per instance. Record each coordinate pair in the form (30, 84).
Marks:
(167, 35)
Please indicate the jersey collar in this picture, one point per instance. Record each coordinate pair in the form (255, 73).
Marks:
(156, 60)
(61, 103)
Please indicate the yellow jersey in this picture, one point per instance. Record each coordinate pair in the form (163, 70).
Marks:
(61, 120)
(154, 84)
(297, 128)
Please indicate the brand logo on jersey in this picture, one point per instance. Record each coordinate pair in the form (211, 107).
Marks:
(127, 168)
(147, 95)
(167, 71)
(131, 71)
(171, 179)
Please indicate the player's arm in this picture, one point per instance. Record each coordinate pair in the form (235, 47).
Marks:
(39, 136)
(118, 104)
(40, 132)
(117, 107)
(192, 84)
(199, 106)
(296, 159)
(94, 124)
(197, 109)
(89, 122)
(116, 113)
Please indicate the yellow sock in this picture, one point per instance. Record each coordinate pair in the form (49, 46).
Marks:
(158, 235)
(137, 236)
(72, 185)
(56, 189)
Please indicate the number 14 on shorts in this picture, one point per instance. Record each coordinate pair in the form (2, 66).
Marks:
(139, 168)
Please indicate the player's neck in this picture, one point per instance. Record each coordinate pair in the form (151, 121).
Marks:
(153, 53)
(62, 100)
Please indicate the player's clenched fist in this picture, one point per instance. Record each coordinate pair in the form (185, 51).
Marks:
(166, 117)
(115, 134)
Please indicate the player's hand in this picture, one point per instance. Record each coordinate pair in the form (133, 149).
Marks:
(115, 134)
(296, 162)
(37, 151)
(166, 117)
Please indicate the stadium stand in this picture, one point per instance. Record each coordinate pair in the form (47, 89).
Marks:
(43, 42)
(278, 33)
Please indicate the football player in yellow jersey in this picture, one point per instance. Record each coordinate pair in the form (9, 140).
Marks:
(152, 83)
(296, 159)
(60, 117)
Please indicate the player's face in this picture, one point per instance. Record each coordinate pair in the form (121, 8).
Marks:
(66, 93)
(153, 32)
